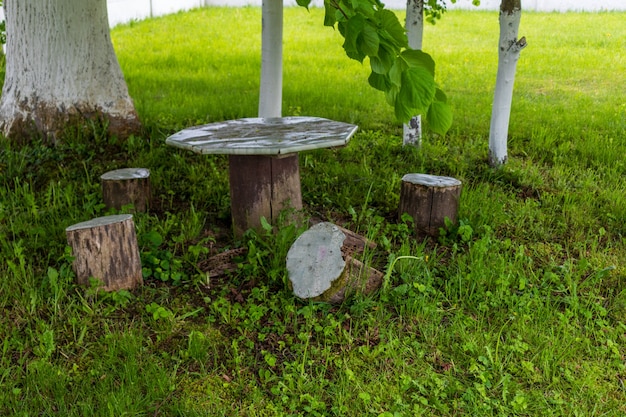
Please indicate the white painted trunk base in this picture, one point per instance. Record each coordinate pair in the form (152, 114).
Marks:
(508, 55)
(61, 67)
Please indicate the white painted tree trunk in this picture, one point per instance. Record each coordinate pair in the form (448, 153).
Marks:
(508, 55)
(271, 94)
(414, 24)
(61, 69)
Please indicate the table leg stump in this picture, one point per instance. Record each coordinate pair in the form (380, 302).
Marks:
(429, 200)
(106, 248)
(126, 186)
(262, 186)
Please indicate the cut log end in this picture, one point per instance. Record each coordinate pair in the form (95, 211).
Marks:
(318, 270)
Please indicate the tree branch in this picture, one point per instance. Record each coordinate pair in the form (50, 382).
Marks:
(518, 45)
(335, 4)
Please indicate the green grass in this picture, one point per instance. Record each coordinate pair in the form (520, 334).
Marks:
(518, 310)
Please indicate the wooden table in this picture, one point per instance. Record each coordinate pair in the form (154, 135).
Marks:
(263, 159)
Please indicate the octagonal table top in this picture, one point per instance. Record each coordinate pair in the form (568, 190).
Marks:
(263, 136)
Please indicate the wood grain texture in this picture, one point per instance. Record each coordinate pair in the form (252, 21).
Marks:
(106, 248)
(126, 186)
(262, 186)
(429, 200)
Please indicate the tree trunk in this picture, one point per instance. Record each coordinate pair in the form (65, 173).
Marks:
(508, 54)
(61, 69)
(271, 94)
(414, 24)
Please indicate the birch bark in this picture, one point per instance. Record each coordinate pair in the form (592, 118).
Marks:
(414, 24)
(61, 69)
(508, 55)
(271, 94)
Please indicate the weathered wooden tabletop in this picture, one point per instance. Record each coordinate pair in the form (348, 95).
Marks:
(263, 136)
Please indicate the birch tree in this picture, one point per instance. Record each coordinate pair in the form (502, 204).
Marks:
(61, 69)
(509, 48)
(416, 12)
(271, 92)
(414, 24)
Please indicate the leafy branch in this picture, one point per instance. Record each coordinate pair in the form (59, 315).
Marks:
(434, 9)
(405, 75)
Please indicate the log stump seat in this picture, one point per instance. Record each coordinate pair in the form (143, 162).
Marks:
(126, 186)
(429, 200)
(105, 248)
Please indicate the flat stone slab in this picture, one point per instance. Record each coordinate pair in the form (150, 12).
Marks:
(263, 136)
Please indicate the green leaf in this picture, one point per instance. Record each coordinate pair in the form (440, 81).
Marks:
(379, 81)
(329, 14)
(265, 224)
(402, 110)
(269, 358)
(418, 87)
(153, 239)
(415, 58)
(353, 28)
(439, 115)
(383, 62)
(395, 73)
(304, 3)
(53, 275)
(390, 25)
(440, 95)
(368, 41)
(364, 7)
(416, 92)
(391, 95)
(378, 66)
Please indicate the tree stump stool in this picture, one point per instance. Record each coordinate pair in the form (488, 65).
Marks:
(319, 269)
(429, 199)
(126, 186)
(106, 248)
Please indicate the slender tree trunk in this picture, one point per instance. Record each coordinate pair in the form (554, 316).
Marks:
(271, 94)
(61, 69)
(412, 131)
(508, 54)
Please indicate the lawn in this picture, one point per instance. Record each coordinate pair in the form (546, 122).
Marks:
(519, 310)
